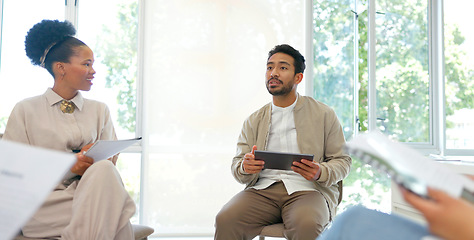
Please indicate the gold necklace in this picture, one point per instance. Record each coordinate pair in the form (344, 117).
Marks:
(67, 106)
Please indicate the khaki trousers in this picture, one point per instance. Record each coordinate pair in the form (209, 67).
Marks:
(305, 214)
(95, 207)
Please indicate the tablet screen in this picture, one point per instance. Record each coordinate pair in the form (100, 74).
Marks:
(280, 160)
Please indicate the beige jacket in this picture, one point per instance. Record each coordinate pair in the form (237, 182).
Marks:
(318, 132)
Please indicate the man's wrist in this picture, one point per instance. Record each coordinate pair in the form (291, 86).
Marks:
(242, 171)
(318, 173)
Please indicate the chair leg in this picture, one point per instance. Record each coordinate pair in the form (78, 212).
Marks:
(261, 238)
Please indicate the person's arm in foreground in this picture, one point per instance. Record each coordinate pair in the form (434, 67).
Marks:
(447, 217)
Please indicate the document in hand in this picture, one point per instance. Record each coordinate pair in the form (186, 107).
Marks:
(408, 167)
(27, 176)
(103, 149)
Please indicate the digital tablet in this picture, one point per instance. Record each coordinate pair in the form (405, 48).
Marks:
(280, 160)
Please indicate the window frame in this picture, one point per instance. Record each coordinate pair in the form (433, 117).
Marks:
(437, 115)
(1, 30)
(72, 14)
(437, 143)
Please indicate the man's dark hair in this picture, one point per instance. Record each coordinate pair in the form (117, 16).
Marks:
(287, 49)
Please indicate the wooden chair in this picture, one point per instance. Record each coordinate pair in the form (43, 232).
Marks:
(276, 230)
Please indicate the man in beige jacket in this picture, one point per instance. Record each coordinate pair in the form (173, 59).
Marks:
(304, 198)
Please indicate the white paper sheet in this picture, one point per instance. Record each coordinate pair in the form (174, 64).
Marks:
(27, 176)
(103, 149)
(407, 161)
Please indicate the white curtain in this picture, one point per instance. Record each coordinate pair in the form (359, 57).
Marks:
(204, 69)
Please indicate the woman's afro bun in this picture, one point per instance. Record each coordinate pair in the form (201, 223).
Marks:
(43, 35)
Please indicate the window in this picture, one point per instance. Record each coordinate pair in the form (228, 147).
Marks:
(112, 35)
(198, 68)
(407, 79)
(335, 66)
(459, 76)
(16, 71)
(342, 56)
(204, 69)
(101, 33)
(402, 79)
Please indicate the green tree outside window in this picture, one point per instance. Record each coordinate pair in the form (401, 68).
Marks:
(402, 76)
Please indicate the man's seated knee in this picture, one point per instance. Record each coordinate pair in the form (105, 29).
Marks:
(224, 218)
(308, 225)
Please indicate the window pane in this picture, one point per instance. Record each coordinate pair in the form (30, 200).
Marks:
(335, 70)
(204, 74)
(112, 35)
(334, 58)
(402, 70)
(129, 167)
(16, 71)
(459, 72)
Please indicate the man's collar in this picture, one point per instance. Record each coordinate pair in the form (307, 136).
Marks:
(289, 107)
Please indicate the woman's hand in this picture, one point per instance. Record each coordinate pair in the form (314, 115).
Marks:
(83, 162)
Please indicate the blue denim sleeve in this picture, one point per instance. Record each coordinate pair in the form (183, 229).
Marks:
(361, 223)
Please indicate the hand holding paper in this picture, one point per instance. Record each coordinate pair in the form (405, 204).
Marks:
(82, 162)
(103, 149)
(408, 167)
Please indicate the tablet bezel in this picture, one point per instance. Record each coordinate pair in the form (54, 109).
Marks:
(280, 160)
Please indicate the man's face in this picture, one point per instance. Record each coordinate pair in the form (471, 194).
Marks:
(280, 76)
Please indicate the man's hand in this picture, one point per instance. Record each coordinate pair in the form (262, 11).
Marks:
(308, 169)
(250, 165)
(447, 217)
(83, 162)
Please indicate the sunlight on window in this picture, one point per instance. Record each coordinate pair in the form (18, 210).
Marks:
(204, 74)
(18, 77)
(112, 35)
(459, 70)
(403, 105)
(129, 166)
(335, 38)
